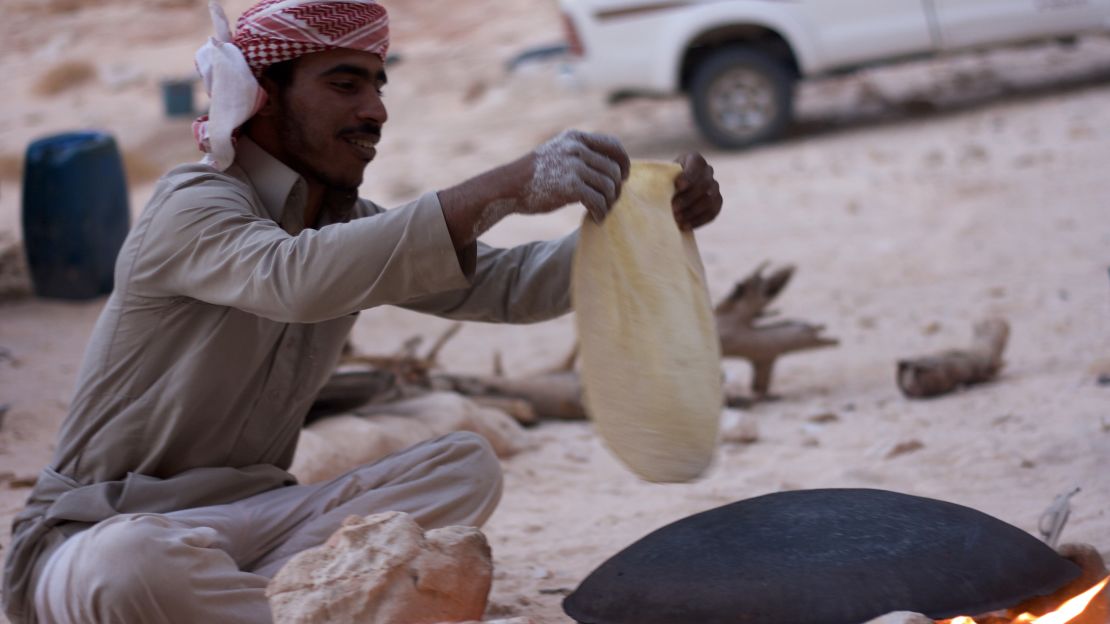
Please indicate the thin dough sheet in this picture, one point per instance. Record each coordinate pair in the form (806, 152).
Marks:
(650, 356)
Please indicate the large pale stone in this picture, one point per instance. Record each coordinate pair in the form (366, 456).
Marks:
(384, 568)
(332, 446)
(311, 460)
(447, 412)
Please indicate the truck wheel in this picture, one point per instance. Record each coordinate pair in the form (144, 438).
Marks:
(741, 97)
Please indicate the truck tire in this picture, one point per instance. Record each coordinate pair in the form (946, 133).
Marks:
(741, 96)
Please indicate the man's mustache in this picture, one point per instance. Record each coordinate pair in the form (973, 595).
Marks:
(363, 130)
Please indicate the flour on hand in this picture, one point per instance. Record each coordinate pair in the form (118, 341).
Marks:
(572, 167)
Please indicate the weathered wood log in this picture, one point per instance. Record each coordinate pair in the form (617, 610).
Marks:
(554, 393)
(761, 344)
(941, 373)
(410, 368)
(348, 389)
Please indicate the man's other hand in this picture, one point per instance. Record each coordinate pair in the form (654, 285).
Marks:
(697, 197)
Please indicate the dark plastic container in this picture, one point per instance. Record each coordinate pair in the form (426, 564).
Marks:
(75, 214)
(177, 97)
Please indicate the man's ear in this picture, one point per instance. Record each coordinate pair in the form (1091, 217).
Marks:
(270, 106)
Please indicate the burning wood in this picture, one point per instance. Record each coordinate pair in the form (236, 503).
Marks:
(1067, 613)
(1083, 601)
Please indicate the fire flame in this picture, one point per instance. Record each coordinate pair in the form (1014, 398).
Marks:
(1064, 614)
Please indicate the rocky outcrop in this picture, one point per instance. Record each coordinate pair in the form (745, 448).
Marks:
(385, 569)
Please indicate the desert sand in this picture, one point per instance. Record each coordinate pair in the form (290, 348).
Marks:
(914, 200)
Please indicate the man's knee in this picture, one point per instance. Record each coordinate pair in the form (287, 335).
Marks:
(475, 457)
(147, 568)
(475, 475)
(126, 561)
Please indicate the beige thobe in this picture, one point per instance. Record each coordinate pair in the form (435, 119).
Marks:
(226, 319)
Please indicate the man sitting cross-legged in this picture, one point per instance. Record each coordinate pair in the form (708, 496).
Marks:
(167, 498)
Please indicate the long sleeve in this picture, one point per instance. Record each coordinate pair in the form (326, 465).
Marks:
(524, 284)
(204, 241)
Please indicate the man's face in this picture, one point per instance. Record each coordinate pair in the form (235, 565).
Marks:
(330, 117)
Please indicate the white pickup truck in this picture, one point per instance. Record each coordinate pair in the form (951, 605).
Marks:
(738, 60)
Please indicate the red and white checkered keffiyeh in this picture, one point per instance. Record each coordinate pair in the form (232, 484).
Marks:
(270, 32)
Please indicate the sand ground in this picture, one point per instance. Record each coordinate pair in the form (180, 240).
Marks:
(913, 200)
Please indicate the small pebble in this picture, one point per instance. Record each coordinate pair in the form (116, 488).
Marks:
(738, 427)
(892, 449)
(576, 456)
(904, 447)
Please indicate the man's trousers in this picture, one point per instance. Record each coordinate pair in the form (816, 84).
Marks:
(212, 564)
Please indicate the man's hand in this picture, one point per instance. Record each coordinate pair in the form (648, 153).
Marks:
(575, 167)
(697, 197)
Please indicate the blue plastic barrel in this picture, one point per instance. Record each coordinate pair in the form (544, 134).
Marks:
(177, 97)
(75, 214)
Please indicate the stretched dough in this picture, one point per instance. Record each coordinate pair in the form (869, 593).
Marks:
(650, 356)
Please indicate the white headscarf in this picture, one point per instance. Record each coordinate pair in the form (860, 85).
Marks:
(270, 32)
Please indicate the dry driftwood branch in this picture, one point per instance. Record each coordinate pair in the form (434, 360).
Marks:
(744, 336)
(944, 372)
(553, 393)
(556, 392)
(379, 379)
(411, 369)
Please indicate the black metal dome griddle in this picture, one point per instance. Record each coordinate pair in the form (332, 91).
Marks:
(835, 556)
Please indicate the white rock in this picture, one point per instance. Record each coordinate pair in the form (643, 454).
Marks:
(446, 412)
(384, 568)
(738, 427)
(311, 460)
(332, 446)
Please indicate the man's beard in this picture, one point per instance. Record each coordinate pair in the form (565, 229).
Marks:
(294, 137)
